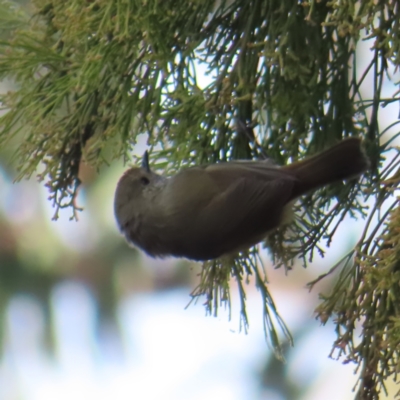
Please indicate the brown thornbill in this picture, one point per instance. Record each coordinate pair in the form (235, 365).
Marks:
(209, 211)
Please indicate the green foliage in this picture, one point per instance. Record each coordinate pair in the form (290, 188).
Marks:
(92, 75)
(214, 286)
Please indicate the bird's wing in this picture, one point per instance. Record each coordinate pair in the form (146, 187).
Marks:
(250, 195)
(220, 210)
(241, 214)
(225, 174)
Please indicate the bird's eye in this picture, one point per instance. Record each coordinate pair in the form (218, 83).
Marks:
(144, 180)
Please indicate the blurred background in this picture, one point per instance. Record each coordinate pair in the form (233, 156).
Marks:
(84, 316)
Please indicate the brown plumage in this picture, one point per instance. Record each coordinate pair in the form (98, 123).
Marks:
(205, 212)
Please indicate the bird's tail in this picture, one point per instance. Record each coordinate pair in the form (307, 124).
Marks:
(342, 161)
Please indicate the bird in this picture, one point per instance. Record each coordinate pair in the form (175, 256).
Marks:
(209, 211)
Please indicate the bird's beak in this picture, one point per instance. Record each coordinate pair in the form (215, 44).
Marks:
(145, 161)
